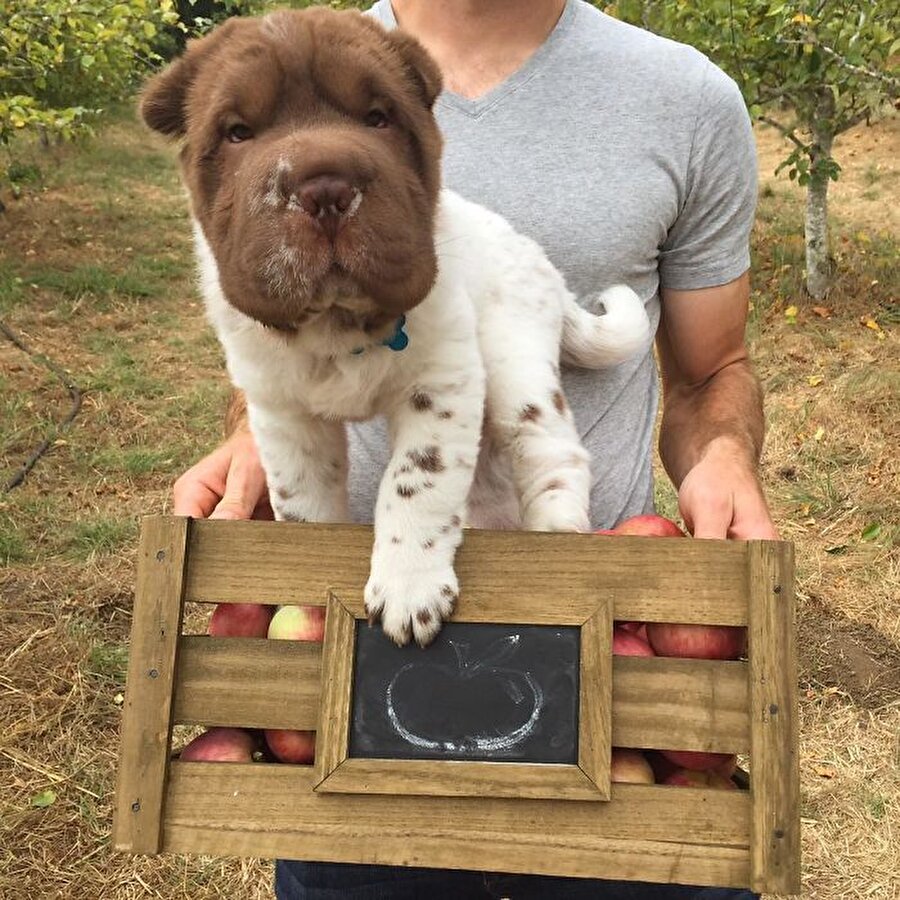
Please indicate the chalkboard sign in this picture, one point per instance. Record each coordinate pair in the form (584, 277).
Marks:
(518, 706)
(500, 693)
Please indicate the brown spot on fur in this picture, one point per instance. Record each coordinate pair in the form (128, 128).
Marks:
(455, 521)
(284, 493)
(423, 617)
(530, 413)
(290, 517)
(428, 484)
(396, 540)
(406, 491)
(559, 402)
(428, 545)
(445, 414)
(421, 402)
(555, 485)
(403, 470)
(428, 460)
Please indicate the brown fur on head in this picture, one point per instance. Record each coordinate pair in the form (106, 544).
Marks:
(266, 106)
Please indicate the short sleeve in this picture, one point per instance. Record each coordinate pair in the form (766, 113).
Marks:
(709, 242)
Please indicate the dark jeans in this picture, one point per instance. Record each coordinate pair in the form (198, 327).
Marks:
(332, 881)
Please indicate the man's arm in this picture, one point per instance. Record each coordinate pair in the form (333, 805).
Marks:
(230, 482)
(712, 427)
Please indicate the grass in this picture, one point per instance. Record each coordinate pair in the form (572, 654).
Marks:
(96, 273)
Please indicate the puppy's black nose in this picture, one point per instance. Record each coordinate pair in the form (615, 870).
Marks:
(327, 199)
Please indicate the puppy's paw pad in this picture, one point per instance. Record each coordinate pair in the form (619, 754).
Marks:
(412, 607)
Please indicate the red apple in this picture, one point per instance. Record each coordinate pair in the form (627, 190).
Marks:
(220, 745)
(240, 620)
(630, 767)
(626, 644)
(697, 761)
(637, 628)
(689, 778)
(292, 746)
(650, 525)
(298, 623)
(697, 641)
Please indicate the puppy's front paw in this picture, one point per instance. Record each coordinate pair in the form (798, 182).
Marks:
(411, 603)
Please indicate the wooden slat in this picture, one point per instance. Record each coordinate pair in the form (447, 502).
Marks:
(595, 699)
(451, 778)
(774, 735)
(271, 811)
(564, 574)
(680, 704)
(676, 704)
(333, 728)
(252, 682)
(146, 719)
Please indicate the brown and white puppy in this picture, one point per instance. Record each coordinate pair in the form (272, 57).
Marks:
(344, 284)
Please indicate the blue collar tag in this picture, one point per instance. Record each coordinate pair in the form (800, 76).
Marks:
(398, 341)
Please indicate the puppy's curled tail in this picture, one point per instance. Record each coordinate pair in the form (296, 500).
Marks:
(595, 341)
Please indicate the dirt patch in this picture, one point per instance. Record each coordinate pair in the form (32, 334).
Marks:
(853, 657)
(869, 157)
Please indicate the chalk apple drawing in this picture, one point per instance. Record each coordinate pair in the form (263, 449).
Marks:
(471, 677)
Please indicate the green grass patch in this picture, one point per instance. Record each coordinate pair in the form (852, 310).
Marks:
(108, 661)
(100, 536)
(12, 287)
(127, 377)
(12, 543)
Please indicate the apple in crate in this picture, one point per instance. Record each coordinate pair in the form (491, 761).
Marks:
(630, 767)
(649, 525)
(697, 761)
(624, 643)
(690, 778)
(220, 745)
(240, 620)
(298, 623)
(697, 641)
(291, 746)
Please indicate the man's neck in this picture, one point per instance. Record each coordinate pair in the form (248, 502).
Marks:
(478, 43)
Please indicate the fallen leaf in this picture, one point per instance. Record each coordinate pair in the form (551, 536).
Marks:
(823, 312)
(820, 433)
(814, 380)
(870, 532)
(837, 549)
(44, 799)
(825, 771)
(791, 314)
(870, 323)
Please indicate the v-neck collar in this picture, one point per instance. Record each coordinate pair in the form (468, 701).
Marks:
(497, 94)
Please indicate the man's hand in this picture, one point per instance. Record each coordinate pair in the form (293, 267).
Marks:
(228, 484)
(712, 426)
(720, 497)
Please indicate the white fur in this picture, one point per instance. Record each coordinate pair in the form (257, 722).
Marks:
(483, 355)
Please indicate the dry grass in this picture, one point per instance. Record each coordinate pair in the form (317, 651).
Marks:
(95, 273)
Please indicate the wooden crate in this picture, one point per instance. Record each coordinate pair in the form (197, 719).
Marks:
(645, 832)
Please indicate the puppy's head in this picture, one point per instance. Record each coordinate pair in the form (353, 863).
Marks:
(313, 163)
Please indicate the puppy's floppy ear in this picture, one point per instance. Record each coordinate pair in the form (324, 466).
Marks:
(421, 66)
(163, 98)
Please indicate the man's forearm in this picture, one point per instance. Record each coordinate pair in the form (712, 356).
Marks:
(236, 414)
(725, 412)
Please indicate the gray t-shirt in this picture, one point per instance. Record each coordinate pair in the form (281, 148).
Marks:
(628, 158)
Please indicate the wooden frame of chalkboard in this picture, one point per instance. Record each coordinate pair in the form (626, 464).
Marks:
(336, 771)
(645, 832)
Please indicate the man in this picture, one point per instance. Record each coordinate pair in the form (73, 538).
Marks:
(630, 159)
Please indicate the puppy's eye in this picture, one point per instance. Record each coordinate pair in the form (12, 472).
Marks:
(376, 118)
(238, 133)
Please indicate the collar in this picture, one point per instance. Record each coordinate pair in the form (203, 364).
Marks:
(397, 341)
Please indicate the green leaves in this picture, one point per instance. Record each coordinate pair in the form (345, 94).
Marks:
(62, 60)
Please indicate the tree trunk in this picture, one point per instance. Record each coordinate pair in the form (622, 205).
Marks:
(818, 256)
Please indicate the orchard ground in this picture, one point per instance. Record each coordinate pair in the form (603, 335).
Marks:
(96, 275)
